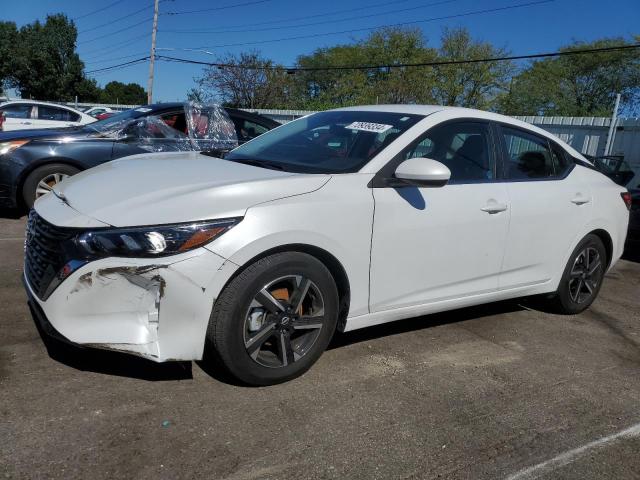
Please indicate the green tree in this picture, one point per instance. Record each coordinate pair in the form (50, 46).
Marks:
(88, 91)
(331, 88)
(123, 93)
(8, 37)
(469, 85)
(473, 85)
(45, 64)
(577, 85)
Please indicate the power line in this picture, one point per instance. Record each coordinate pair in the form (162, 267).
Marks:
(111, 48)
(319, 15)
(407, 65)
(115, 20)
(224, 7)
(120, 65)
(298, 37)
(146, 20)
(115, 58)
(323, 22)
(98, 10)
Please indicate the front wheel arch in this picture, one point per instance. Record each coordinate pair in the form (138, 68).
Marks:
(334, 266)
(42, 163)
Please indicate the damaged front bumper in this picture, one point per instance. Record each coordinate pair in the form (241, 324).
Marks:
(157, 308)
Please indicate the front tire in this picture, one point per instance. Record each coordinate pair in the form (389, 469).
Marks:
(43, 179)
(582, 277)
(273, 321)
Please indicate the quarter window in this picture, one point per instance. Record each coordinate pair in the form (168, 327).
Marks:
(561, 161)
(248, 130)
(464, 147)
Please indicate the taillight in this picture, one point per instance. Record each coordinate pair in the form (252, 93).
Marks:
(626, 198)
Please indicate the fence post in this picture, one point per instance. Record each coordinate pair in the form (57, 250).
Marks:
(612, 128)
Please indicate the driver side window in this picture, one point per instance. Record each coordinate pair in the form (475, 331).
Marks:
(464, 147)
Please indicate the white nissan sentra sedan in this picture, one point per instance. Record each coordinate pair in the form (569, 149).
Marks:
(339, 220)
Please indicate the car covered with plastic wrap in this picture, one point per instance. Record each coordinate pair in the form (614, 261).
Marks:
(32, 162)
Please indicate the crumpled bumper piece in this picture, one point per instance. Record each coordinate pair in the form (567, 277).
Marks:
(158, 308)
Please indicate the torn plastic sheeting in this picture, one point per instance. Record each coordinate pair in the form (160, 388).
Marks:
(210, 128)
(203, 128)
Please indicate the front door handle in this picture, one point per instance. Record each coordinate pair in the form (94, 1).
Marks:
(494, 208)
(580, 200)
(25, 123)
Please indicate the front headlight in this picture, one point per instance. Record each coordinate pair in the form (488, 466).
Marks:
(8, 147)
(152, 241)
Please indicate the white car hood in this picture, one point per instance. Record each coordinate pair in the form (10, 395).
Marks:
(161, 188)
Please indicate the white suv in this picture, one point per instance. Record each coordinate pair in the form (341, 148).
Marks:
(30, 114)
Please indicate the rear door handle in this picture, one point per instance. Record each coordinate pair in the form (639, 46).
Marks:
(494, 208)
(25, 123)
(580, 200)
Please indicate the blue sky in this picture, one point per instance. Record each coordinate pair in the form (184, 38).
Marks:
(529, 29)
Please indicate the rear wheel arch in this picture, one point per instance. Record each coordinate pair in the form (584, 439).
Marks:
(606, 240)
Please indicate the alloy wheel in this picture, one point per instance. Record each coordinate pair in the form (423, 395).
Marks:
(283, 321)
(46, 184)
(585, 276)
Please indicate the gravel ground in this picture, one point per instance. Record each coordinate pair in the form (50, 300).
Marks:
(499, 391)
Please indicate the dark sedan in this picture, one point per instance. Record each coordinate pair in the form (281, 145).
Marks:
(33, 161)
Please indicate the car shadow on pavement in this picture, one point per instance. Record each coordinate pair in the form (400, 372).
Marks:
(125, 365)
(113, 363)
(423, 322)
(12, 213)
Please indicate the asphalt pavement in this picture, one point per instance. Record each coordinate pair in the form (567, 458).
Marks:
(501, 391)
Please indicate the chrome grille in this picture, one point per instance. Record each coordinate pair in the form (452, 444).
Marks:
(44, 252)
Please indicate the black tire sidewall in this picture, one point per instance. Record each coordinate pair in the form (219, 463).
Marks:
(229, 339)
(562, 295)
(31, 182)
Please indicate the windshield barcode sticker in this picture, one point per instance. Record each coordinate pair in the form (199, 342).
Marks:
(369, 127)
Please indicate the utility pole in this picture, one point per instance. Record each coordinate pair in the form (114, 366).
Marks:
(153, 52)
(612, 128)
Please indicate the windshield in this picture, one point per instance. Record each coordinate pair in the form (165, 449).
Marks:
(108, 124)
(326, 142)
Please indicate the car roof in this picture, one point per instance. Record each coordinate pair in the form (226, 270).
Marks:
(247, 115)
(38, 102)
(461, 112)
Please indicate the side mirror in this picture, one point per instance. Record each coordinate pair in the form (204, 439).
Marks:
(423, 172)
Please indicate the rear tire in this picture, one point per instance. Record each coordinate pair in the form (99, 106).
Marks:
(273, 321)
(43, 179)
(582, 277)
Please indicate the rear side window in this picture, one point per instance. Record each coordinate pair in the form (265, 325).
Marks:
(528, 156)
(57, 114)
(17, 111)
(247, 130)
(464, 147)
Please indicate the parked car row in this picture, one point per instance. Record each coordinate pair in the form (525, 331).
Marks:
(32, 162)
(336, 221)
(97, 111)
(31, 114)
